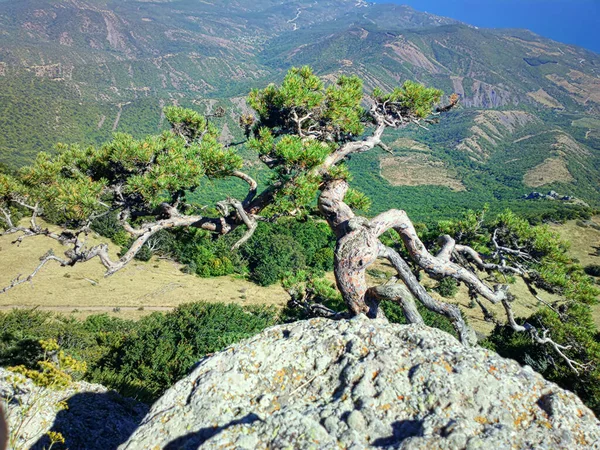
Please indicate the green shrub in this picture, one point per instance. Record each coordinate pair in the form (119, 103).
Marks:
(205, 256)
(447, 287)
(304, 289)
(270, 257)
(138, 359)
(145, 254)
(164, 347)
(107, 226)
(88, 340)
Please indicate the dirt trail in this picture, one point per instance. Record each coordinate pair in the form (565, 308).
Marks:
(99, 309)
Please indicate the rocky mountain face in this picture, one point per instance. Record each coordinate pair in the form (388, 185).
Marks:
(115, 50)
(79, 70)
(314, 384)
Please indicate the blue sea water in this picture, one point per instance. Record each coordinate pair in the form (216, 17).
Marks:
(569, 21)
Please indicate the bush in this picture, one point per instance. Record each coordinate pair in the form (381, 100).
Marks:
(306, 289)
(164, 347)
(447, 287)
(270, 257)
(107, 226)
(205, 256)
(88, 340)
(145, 254)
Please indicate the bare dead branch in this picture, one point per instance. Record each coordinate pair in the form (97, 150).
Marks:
(7, 218)
(476, 258)
(248, 220)
(452, 312)
(49, 256)
(353, 147)
(252, 186)
(543, 339)
(386, 148)
(397, 293)
(436, 267)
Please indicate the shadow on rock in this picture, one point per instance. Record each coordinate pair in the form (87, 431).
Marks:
(194, 440)
(402, 430)
(96, 421)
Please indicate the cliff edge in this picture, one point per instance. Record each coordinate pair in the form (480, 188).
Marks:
(361, 383)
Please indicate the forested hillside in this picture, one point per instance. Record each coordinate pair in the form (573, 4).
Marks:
(77, 71)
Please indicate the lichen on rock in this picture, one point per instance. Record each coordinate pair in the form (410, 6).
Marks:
(363, 383)
(88, 416)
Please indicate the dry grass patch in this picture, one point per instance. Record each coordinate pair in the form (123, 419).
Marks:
(567, 144)
(585, 245)
(409, 144)
(491, 127)
(585, 241)
(409, 52)
(155, 285)
(418, 170)
(542, 97)
(550, 171)
(582, 87)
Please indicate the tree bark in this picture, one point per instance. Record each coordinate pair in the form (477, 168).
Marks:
(358, 247)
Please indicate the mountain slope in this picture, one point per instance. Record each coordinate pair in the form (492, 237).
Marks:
(77, 70)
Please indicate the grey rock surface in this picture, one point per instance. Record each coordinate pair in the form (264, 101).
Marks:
(89, 416)
(360, 383)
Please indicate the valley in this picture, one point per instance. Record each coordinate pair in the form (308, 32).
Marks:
(528, 104)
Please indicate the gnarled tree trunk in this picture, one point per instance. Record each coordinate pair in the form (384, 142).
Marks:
(358, 247)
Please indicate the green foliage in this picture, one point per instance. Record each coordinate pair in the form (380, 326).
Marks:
(53, 373)
(106, 225)
(204, 255)
(304, 106)
(301, 89)
(467, 228)
(297, 195)
(164, 348)
(357, 200)
(572, 326)
(73, 183)
(304, 289)
(270, 257)
(343, 105)
(139, 359)
(411, 97)
(393, 311)
(189, 123)
(288, 246)
(447, 287)
(22, 330)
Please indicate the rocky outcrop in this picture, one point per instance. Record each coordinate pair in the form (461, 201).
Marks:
(88, 416)
(362, 383)
(553, 195)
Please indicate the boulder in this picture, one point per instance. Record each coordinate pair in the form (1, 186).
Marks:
(361, 383)
(88, 416)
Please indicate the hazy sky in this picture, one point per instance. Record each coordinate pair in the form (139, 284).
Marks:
(571, 21)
